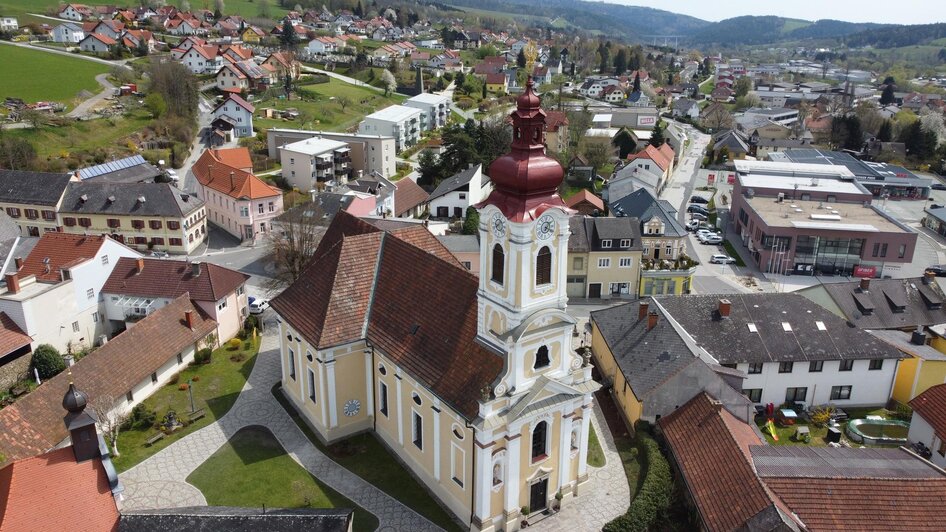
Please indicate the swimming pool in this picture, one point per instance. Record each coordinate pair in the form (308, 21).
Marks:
(878, 432)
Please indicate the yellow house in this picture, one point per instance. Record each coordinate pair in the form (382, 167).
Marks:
(471, 382)
(496, 82)
(32, 199)
(143, 216)
(667, 278)
(924, 367)
(604, 257)
(250, 35)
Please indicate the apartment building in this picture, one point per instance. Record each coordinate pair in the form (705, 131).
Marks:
(315, 160)
(436, 109)
(369, 153)
(401, 122)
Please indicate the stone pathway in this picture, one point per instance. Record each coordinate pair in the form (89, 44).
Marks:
(160, 481)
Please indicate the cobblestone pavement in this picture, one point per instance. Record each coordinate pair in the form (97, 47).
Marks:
(159, 481)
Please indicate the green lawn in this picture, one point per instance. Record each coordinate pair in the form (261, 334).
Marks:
(245, 8)
(325, 112)
(253, 470)
(595, 452)
(35, 75)
(366, 457)
(785, 434)
(731, 251)
(217, 389)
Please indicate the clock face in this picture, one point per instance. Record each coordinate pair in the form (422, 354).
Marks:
(499, 225)
(352, 407)
(545, 227)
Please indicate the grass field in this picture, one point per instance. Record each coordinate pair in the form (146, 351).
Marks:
(253, 470)
(34, 75)
(326, 112)
(19, 8)
(89, 136)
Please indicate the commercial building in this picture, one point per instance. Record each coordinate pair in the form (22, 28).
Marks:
(32, 199)
(604, 257)
(403, 123)
(807, 219)
(306, 163)
(436, 109)
(369, 153)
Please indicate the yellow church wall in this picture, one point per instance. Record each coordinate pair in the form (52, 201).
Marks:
(350, 384)
(528, 468)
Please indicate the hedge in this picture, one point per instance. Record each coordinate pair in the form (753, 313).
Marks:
(653, 500)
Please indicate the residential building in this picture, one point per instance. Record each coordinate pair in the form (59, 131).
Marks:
(410, 200)
(654, 160)
(436, 109)
(370, 153)
(497, 82)
(77, 12)
(454, 195)
(791, 349)
(237, 114)
(32, 199)
(398, 121)
(923, 367)
(9, 24)
(53, 294)
(138, 287)
(928, 424)
(874, 304)
(465, 248)
(604, 257)
(132, 169)
(785, 117)
(790, 487)
(556, 132)
(16, 354)
(202, 59)
(95, 43)
(236, 200)
(808, 219)
(113, 29)
(686, 108)
(585, 203)
(306, 163)
(395, 353)
(68, 32)
(652, 369)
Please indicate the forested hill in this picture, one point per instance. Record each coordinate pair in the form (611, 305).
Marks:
(753, 30)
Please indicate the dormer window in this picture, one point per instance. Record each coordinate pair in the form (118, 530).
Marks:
(625, 242)
(606, 243)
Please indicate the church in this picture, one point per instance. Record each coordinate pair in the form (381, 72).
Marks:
(471, 382)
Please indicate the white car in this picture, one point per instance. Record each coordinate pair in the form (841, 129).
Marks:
(703, 234)
(713, 240)
(722, 259)
(258, 306)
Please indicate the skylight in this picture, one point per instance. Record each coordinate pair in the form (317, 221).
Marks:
(787, 327)
(752, 327)
(820, 325)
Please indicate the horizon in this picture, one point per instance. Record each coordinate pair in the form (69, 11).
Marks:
(907, 12)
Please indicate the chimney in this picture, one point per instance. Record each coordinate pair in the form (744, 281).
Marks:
(651, 320)
(927, 277)
(195, 269)
(865, 284)
(189, 319)
(19, 263)
(642, 310)
(13, 283)
(231, 180)
(141, 265)
(724, 307)
(918, 337)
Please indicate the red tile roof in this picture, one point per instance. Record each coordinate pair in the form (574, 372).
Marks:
(172, 278)
(931, 406)
(711, 448)
(34, 423)
(63, 251)
(235, 157)
(496, 79)
(660, 156)
(235, 98)
(104, 39)
(213, 172)
(54, 492)
(12, 336)
(407, 196)
(555, 119)
(584, 195)
(423, 317)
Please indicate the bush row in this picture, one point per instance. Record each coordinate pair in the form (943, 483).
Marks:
(653, 501)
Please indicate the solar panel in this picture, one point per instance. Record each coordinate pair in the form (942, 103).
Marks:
(111, 166)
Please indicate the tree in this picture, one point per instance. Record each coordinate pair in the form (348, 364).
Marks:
(389, 81)
(596, 154)
(624, 142)
(110, 419)
(428, 168)
(155, 104)
(620, 61)
(185, 6)
(177, 85)
(521, 58)
(419, 80)
(291, 247)
(36, 119)
(637, 82)
(657, 136)
(219, 8)
(263, 9)
(343, 101)
(16, 153)
(743, 86)
(287, 35)
(471, 225)
(886, 131)
(887, 97)
(47, 361)
(122, 74)
(483, 94)
(846, 132)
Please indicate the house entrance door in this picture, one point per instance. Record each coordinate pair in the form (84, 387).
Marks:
(538, 496)
(594, 291)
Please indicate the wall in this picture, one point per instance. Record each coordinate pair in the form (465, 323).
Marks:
(868, 387)
(628, 403)
(191, 237)
(146, 388)
(369, 153)
(906, 377)
(40, 224)
(683, 386)
(614, 273)
(921, 431)
(15, 370)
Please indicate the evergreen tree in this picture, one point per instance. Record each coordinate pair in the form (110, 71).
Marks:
(287, 35)
(419, 80)
(657, 136)
(887, 97)
(886, 131)
(620, 61)
(637, 82)
(521, 58)
(624, 142)
(471, 225)
(428, 168)
(484, 90)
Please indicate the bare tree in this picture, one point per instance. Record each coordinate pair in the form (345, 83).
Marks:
(110, 419)
(292, 244)
(343, 101)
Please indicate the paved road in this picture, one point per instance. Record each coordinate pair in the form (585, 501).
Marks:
(84, 109)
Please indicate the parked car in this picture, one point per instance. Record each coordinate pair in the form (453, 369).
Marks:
(693, 225)
(698, 199)
(713, 240)
(160, 254)
(258, 306)
(722, 259)
(938, 186)
(697, 208)
(703, 234)
(700, 217)
(937, 269)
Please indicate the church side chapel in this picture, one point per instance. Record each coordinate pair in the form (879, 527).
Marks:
(471, 382)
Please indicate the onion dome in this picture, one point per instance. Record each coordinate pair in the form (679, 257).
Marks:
(74, 401)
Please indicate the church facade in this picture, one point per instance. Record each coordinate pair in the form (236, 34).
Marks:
(471, 382)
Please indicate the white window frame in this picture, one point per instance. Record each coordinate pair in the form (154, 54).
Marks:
(628, 260)
(606, 243)
(604, 262)
(625, 242)
(457, 476)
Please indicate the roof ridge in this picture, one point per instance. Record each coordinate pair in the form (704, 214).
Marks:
(374, 285)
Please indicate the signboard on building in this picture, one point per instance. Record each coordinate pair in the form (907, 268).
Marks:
(647, 120)
(710, 179)
(865, 271)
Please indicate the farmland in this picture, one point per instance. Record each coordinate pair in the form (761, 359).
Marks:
(35, 75)
(19, 8)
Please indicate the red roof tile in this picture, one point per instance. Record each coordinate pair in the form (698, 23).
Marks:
(496, 79)
(658, 155)
(12, 336)
(54, 492)
(62, 250)
(34, 423)
(584, 195)
(407, 196)
(555, 119)
(931, 405)
(213, 172)
(172, 278)
(235, 157)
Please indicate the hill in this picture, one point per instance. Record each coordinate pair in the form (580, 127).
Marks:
(754, 30)
(897, 36)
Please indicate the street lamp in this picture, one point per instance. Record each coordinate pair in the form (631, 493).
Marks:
(190, 392)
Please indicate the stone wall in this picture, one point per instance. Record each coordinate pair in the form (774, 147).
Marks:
(14, 371)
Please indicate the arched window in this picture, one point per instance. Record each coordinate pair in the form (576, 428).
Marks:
(543, 266)
(539, 433)
(499, 262)
(542, 357)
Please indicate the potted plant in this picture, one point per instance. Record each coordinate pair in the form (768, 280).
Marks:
(558, 500)
(525, 511)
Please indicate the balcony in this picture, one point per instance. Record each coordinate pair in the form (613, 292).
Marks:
(341, 159)
(323, 165)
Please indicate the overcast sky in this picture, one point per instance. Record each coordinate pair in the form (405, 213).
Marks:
(882, 11)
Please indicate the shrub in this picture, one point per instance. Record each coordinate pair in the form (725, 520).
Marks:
(903, 412)
(203, 356)
(820, 416)
(183, 387)
(47, 361)
(252, 322)
(233, 344)
(174, 378)
(142, 417)
(654, 498)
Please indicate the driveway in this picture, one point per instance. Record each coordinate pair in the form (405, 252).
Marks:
(85, 108)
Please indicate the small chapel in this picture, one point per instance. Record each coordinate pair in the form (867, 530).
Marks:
(472, 382)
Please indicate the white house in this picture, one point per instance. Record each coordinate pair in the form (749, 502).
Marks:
(9, 24)
(322, 45)
(185, 27)
(54, 294)
(77, 12)
(240, 113)
(398, 121)
(202, 59)
(68, 32)
(455, 194)
(928, 425)
(308, 162)
(112, 29)
(96, 44)
(436, 109)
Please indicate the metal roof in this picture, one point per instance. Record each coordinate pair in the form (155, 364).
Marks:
(111, 166)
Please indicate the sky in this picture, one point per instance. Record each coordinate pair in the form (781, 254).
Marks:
(881, 11)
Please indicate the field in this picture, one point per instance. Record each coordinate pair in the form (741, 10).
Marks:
(35, 75)
(19, 8)
(58, 141)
